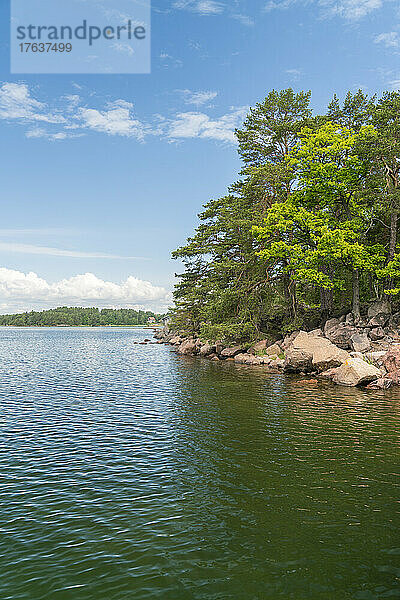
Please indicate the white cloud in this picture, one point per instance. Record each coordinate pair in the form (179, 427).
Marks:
(198, 98)
(200, 125)
(118, 120)
(350, 10)
(16, 102)
(85, 289)
(202, 7)
(39, 132)
(31, 249)
(390, 39)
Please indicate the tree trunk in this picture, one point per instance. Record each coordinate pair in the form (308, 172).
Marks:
(392, 244)
(356, 295)
(289, 289)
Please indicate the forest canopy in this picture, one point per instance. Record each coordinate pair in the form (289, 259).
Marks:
(89, 317)
(309, 229)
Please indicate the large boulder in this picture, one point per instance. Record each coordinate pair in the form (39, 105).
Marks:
(231, 352)
(355, 371)
(187, 347)
(379, 320)
(360, 342)
(379, 307)
(311, 352)
(339, 333)
(328, 356)
(206, 349)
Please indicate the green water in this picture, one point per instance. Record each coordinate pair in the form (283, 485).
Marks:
(127, 472)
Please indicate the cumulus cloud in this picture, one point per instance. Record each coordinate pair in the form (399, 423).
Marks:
(86, 289)
(118, 120)
(200, 125)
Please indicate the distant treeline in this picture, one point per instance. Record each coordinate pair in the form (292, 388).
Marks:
(91, 317)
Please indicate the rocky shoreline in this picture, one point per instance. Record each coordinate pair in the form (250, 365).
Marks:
(363, 353)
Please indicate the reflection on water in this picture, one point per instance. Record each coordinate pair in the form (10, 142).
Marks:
(128, 472)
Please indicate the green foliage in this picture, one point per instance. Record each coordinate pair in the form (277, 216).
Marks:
(73, 316)
(312, 221)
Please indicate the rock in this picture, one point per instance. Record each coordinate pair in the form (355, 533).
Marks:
(360, 342)
(328, 375)
(376, 334)
(231, 352)
(306, 382)
(206, 350)
(215, 359)
(176, 340)
(298, 360)
(394, 377)
(316, 333)
(395, 320)
(375, 358)
(379, 320)
(274, 350)
(349, 319)
(391, 360)
(247, 359)
(289, 339)
(259, 346)
(277, 363)
(187, 347)
(309, 352)
(328, 356)
(355, 371)
(219, 346)
(339, 333)
(383, 383)
(380, 306)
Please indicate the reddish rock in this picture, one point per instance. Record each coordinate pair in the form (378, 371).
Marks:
(391, 360)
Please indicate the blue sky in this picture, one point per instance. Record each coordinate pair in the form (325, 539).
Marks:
(102, 176)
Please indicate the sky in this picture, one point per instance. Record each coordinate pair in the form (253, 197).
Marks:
(102, 176)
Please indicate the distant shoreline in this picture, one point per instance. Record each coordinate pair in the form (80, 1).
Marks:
(152, 326)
